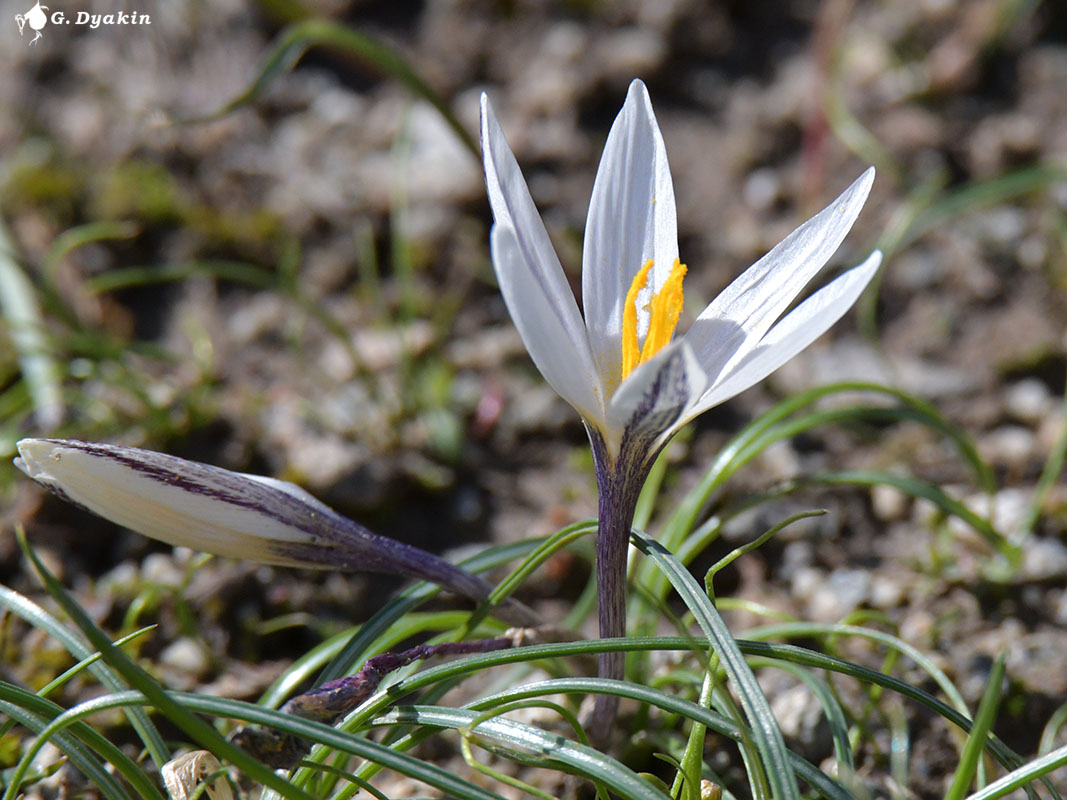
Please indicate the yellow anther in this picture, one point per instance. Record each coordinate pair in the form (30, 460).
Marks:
(664, 309)
(631, 348)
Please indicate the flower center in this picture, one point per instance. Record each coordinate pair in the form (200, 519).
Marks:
(664, 308)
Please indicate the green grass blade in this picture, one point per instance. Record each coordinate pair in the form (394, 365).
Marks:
(1050, 474)
(755, 544)
(307, 729)
(70, 718)
(39, 618)
(983, 473)
(20, 309)
(338, 740)
(297, 39)
(540, 554)
(234, 271)
(35, 713)
(765, 731)
(920, 489)
(807, 630)
(1023, 776)
(666, 701)
(1052, 729)
(570, 756)
(79, 236)
(198, 730)
(835, 715)
(408, 600)
(686, 785)
(983, 724)
(786, 652)
(810, 658)
(774, 425)
(984, 194)
(85, 663)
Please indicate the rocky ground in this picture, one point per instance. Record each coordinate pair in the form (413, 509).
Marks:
(317, 301)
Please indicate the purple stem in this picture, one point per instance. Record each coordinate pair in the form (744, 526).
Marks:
(619, 484)
(330, 701)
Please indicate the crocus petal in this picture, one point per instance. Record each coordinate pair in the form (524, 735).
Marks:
(175, 501)
(564, 363)
(736, 320)
(632, 219)
(531, 279)
(217, 511)
(655, 396)
(798, 329)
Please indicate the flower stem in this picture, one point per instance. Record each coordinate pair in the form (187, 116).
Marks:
(331, 700)
(619, 486)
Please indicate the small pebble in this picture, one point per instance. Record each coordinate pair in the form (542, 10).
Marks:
(801, 718)
(844, 591)
(762, 189)
(185, 655)
(886, 592)
(796, 556)
(1008, 445)
(123, 574)
(1028, 400)
(1043, 559)
(160, 570)
(805, 580)
(1007, 511)
(1059, 607)
(888, 504)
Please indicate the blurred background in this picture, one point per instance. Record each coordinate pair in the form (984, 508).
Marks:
(280, 266)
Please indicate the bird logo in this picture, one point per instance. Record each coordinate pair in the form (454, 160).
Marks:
(35, 18)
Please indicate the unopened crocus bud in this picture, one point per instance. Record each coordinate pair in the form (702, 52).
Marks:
(231, 514)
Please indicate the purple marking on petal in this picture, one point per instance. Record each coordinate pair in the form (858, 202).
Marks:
(331, 541)
(216, 483)
(662, 404)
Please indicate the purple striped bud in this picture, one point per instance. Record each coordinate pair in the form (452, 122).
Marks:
(231, 514)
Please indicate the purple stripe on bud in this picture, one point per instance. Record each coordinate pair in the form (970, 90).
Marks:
(241, 516)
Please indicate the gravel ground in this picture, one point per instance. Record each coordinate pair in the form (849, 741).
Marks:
(387, 378)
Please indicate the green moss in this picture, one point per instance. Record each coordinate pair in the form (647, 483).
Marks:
(138, 190)
(47, 186)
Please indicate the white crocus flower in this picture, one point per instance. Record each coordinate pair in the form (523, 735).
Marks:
(227, 513)
(621, 367)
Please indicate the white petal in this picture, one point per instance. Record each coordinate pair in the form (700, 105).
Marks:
(533, 283)
(242, 516)
(798, 329)
(182, 502)
(564, 363)
(632, 218)
(736, 320)
(655, 396)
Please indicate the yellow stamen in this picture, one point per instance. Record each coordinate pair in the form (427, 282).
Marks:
(664, 309)
(631, 349)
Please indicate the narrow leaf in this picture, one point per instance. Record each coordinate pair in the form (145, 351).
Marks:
(765, 731)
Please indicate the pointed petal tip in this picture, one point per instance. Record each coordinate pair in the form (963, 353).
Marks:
(32, 455)
(637, 89)
(483, 126)
(874, 260)
(637, 97)
(866, 270)
(864, 182)
(869, 265)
